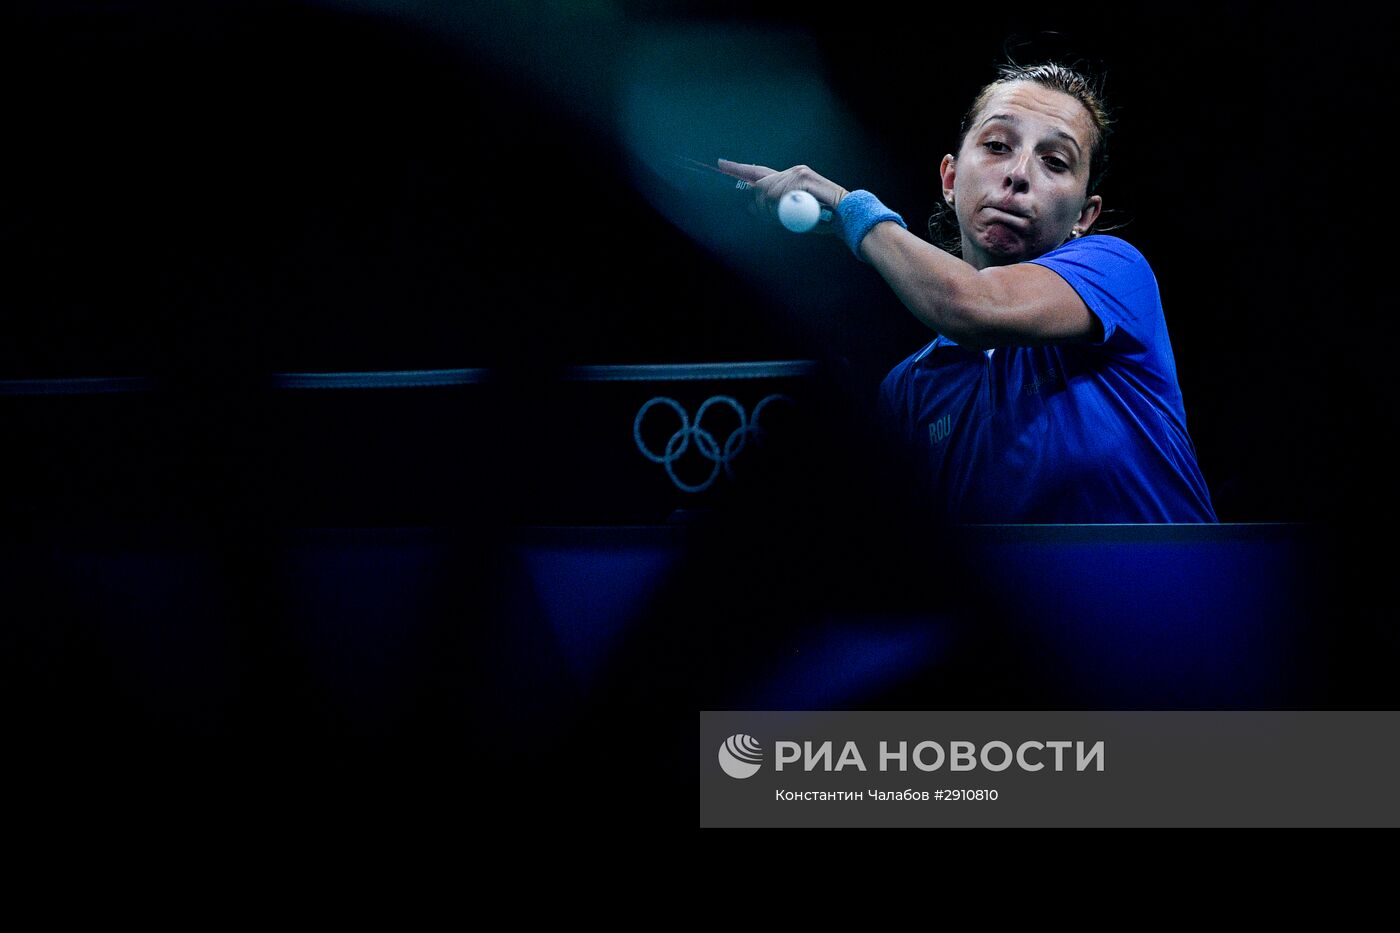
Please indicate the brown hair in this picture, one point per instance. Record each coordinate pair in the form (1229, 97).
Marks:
(1088, 90)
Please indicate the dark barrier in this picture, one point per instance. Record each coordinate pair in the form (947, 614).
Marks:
(589, 444)
(1087, 616)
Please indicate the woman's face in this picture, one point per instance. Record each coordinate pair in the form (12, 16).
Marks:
(1018, 185)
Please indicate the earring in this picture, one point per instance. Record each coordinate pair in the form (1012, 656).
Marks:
(1075, 232)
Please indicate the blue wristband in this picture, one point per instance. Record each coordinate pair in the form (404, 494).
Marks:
(858, 213)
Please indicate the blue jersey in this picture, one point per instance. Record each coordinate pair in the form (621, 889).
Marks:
(1074, 433)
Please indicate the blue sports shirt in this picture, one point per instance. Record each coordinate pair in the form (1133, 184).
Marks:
(1073, 433)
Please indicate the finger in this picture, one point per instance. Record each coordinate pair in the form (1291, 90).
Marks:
(763, 198)
(743, 170)
(825, 190)
(769, 190)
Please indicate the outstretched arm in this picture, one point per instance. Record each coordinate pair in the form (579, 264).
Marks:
(1016, 305)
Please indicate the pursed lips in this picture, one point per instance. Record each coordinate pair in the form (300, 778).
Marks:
(1007, 212)
(1000, 215)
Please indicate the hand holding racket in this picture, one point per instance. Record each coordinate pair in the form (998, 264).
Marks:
(801, 199)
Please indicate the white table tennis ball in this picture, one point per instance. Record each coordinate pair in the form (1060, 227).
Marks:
(798, 211)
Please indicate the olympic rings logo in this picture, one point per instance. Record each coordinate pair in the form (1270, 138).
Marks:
(705, 443)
